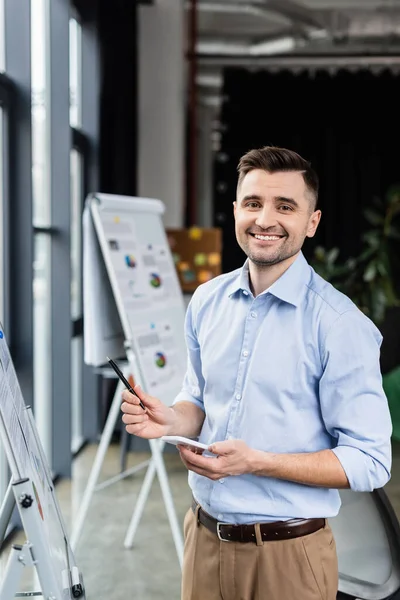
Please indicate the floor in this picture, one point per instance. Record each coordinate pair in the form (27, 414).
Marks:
(150, 570)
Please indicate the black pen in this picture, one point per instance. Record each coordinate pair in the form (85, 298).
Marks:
(124, 381)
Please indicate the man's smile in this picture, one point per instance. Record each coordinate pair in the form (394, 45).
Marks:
(272, 237)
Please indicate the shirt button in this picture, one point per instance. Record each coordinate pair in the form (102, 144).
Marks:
(245, 293)
(245, 352)
(253, 314)
(238, 396)
(222, 480)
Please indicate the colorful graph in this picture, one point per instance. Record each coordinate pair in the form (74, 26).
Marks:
(130, 260)
(160, 360)
(155, 280)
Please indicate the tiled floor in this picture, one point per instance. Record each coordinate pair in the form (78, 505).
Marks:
(151, 569)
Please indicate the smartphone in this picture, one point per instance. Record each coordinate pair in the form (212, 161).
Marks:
(192, 444)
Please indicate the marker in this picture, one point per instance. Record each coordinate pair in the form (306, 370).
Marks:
(124, 381)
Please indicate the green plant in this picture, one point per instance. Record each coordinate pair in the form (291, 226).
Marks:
(368, 278)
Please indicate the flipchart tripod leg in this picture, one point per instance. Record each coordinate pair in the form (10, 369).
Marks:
(98, 462)
(156, 465)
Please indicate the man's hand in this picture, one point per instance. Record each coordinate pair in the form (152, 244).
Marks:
(321, 468)
(234, 458)
(154, 422)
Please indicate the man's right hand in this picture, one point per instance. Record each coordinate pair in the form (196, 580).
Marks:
(156, 421)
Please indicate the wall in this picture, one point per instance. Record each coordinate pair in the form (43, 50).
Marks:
(161, 106)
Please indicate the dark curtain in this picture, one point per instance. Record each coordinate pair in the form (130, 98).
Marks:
(117, 27)
(347, 124)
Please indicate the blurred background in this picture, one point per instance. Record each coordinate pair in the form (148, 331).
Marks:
(160, 99)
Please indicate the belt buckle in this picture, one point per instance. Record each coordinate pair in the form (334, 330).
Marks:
(221, 539)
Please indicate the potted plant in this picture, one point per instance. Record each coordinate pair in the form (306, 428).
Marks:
(368, 278)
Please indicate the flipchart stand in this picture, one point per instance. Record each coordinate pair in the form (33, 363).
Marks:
(34, 553)
(133, 308)
(155, 465)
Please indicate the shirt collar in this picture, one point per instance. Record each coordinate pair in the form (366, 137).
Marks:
(287, 288)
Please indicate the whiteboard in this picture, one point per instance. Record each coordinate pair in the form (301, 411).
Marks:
(146, 292)
(103, 334)
(26, 459)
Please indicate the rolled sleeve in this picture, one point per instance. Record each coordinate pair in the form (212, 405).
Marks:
(353, 404)
(193, 382)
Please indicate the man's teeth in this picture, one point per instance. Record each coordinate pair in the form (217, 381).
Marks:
(268, 238)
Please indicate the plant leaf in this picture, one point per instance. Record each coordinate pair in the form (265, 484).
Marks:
(381, 268)
(372, 238)
(320, 253)
(370, 272)
(332, 256)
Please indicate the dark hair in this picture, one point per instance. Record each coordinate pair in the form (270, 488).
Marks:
(273, 159)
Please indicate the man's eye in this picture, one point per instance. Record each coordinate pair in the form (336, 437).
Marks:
(252, 205)
(285, 207)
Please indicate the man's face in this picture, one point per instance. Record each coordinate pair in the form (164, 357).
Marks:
(273, 215)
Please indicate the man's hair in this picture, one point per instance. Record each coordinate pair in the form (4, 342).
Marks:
(273, 159)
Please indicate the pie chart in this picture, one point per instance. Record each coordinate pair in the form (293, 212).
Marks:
(155, 280)
(130, 260)
(160, 359)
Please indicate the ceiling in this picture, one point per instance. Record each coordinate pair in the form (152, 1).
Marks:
(291, 32)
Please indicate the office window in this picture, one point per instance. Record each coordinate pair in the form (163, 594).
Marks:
(2, 37)
(75, 73)
(40, 160)
(3, 461)
(2, 148)
(41, 221)
(77, 190)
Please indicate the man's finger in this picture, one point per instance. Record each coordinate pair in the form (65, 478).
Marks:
(132, 419)
(136, 428)
(200, 471)
(131, 409)
(148, 400)
(130, 398)
(199, 459)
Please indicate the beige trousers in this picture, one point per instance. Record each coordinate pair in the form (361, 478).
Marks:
(303, 568)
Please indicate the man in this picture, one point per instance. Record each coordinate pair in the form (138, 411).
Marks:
(283, 383)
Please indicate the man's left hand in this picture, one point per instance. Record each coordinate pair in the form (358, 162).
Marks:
(234, 457)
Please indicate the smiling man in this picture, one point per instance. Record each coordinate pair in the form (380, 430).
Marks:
(283, 383)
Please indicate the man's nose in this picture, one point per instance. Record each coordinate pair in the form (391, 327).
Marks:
(266, 217)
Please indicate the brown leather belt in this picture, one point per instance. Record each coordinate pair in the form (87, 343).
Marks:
(270, 532)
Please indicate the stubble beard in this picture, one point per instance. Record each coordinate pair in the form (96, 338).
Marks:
(262, 261)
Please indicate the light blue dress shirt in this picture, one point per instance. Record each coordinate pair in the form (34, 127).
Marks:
(295, 369)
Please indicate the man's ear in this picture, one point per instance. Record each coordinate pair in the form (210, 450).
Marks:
(234, 208)
(313, 223)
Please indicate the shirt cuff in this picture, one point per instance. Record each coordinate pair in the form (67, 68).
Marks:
(186, 397)
(356, 465)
